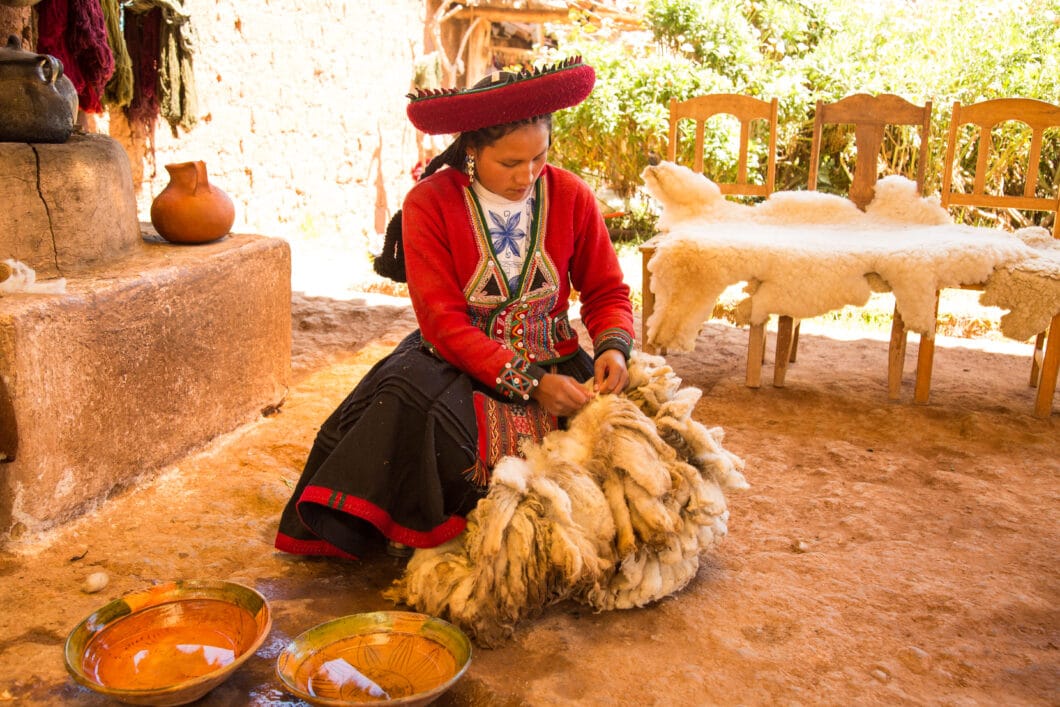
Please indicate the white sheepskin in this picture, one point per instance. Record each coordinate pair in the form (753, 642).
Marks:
(22, 278)
(1029, 289)
(806, 253)
(612, 512)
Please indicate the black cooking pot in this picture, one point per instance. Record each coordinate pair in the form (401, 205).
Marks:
(38, 103)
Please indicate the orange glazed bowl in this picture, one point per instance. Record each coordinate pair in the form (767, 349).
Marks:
(387, 657)
(169, 644)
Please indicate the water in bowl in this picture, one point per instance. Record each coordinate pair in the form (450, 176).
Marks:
(168, 644)
(378, 667)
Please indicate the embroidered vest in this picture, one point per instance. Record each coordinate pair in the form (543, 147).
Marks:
(516, 314)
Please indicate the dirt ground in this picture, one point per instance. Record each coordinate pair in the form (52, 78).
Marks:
(886, 553)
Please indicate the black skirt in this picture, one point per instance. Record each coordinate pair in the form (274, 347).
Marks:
(406, 456)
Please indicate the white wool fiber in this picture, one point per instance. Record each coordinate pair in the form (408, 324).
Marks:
(1030, 289)
(612, 512)
(22, 278)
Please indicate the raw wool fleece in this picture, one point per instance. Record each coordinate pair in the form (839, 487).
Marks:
(1030, 289)
(612, 512)
(805, 253)
(16, 276)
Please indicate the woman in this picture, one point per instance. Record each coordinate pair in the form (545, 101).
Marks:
(492, 239)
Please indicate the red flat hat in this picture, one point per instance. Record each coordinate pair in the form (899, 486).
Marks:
(510, 98)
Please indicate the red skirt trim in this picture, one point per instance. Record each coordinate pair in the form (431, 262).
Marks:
(449, 529)
(285, 543)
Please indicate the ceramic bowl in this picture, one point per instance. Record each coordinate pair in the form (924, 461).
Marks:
(392, 657)
(170, 644)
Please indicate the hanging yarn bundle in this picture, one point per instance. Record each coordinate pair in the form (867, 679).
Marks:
(75, 32)
(118, 92)
(142, 39)
(161, 45)
(135, 55)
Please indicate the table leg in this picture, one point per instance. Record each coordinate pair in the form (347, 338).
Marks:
(896, 356)
(1036, 358)
(756, 346)
(785, 338)
(925, 359)
(1043, 402)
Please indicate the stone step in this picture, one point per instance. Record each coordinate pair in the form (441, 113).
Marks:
(138, 363)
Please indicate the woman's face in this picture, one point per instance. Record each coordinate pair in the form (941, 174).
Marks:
(510, 166)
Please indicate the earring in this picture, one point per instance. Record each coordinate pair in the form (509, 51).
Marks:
(469, 166)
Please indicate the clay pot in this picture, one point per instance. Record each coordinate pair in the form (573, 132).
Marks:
(190, 209)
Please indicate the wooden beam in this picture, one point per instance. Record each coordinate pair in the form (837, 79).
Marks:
(531, 15)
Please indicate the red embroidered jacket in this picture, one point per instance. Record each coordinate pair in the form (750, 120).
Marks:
(461, 296)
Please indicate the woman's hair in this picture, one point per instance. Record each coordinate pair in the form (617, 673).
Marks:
(455, 154)
(391, 262)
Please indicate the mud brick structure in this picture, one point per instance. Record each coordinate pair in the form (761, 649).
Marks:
(153, 350)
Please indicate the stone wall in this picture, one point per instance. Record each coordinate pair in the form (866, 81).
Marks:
(17, 21)
(296, 100)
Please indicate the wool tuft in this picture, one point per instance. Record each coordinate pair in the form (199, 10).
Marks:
(1029, 289)
(16, 276)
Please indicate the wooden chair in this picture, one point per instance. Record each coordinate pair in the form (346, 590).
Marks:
(702, 109)
(745, 109)
(985, 117)
(871, 117)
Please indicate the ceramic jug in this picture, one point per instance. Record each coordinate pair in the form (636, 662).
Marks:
(38, 103)
(190, 209)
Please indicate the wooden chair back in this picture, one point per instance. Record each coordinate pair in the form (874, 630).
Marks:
(870, 115)
(746, 110)
(1039, 116)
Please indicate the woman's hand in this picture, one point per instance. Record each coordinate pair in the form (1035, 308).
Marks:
(611, 373)
(560, 395)
(563, 396)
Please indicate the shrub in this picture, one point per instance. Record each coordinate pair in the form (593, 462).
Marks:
(801, 51)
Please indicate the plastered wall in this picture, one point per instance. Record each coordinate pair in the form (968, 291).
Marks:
(301, 114)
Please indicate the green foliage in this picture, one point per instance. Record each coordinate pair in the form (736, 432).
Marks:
(802, 51)
(715, 36)
(609, 137)
(635, 225)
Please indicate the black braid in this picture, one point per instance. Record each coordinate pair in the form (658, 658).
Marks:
(453, 156)
(391, 262)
